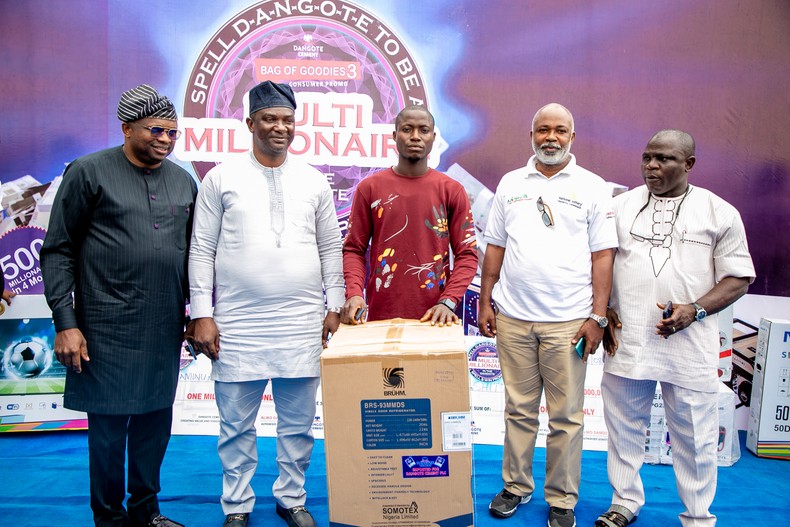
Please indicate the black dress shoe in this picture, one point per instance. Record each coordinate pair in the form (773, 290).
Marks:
(296, 516)
(161, 521)
(239, 519)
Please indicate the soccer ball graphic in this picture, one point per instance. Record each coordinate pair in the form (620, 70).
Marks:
(28, 358)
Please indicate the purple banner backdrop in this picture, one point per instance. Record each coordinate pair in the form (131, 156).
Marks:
(716, 68)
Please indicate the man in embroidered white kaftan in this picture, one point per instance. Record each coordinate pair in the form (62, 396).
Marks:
(266, 245)
(682, 244)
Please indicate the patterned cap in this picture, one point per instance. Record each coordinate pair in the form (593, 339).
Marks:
(269, 94)
(144, 101)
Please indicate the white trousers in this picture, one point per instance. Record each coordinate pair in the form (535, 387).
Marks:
(238, 404)
(692, 419)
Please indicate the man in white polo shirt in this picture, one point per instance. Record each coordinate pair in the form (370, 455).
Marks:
(548, 269)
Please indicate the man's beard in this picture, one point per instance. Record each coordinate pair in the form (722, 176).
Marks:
(551, 159)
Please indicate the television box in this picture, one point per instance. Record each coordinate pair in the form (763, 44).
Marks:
(768, 433)
(397, 425)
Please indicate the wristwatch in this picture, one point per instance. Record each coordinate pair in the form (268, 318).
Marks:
(337, 310)
(447, 303)
(701, 313)
(602, 321)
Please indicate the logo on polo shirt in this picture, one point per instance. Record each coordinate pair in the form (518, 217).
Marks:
(516, 199)
(568, 201)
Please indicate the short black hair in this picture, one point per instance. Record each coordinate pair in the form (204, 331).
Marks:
(414, 108)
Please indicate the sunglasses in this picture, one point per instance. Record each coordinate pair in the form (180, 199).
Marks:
(545, 212)
(156, 131)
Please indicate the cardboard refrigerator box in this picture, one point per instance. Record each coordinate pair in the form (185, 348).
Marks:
(397, 431)
(768, 433)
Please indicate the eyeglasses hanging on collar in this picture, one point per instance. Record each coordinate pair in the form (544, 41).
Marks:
(545, 212)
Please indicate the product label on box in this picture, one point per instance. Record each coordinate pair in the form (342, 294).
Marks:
(396, 423)
(426, 466)
(456, 431)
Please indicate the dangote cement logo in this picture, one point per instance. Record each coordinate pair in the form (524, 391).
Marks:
(394, 381)
(400, 512)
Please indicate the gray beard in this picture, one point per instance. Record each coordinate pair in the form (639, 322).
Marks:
(550, 160)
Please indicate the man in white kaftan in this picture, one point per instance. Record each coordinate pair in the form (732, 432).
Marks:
(682, 244)
(266, 245)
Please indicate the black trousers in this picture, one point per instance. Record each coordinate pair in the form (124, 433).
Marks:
(109, 436)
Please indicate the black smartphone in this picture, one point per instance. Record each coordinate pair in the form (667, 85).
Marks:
(667, 310)
(358, 314)
(580, 348)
